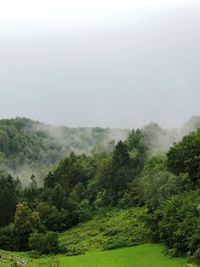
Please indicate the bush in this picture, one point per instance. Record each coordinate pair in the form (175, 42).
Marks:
(44, 243)
(195, 258)
(6, 238)
(180, 223)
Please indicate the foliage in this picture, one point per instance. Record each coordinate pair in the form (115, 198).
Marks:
(6, 237)
(29, 147)
(44, 243)
(180, 224)
(8, 198)
(184, 158)
(108, 229)
(175, 218)
(158, 183)
(118, 198)
(25, 223)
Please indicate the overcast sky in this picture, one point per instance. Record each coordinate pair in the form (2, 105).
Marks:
(115, 63)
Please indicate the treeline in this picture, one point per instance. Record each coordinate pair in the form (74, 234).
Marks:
(25, 141)
(174, 205)
(132, 175)
(30, 147)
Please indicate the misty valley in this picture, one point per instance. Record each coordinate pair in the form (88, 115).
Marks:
(99, 196)
(99, 133)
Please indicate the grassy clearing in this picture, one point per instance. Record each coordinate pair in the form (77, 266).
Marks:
(146, 255)
(113, 229)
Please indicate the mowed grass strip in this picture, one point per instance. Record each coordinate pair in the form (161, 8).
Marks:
(146, 255)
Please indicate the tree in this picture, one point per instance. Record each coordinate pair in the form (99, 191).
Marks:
(158, 183)
(180, 223)
(8, 199)
(138, 149)
(44, 243)
(120, 156)
(25, 223)
(121, 170)
(184, 158)
(6, 237)
(58, 197)
(53, 219)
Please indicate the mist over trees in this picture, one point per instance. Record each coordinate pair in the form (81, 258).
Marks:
(136, 172)
(31, 148)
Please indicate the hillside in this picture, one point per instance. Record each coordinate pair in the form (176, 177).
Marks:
(29, 147)
(130, 196)
(107, 230)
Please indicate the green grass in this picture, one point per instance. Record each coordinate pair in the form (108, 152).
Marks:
(108, 230)
(146, 255)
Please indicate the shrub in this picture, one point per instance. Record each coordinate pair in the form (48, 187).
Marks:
(44, 243)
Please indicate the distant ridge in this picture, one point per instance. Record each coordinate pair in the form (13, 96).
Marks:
(29, 147)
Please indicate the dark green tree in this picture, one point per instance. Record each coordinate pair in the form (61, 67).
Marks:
(184, 158)
(8, 199)
(25, 223)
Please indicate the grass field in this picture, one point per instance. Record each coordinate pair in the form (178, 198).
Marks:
(147, 255)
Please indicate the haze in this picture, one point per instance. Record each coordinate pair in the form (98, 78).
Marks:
(100, 63)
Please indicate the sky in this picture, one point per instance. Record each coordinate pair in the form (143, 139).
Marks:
(108, 63)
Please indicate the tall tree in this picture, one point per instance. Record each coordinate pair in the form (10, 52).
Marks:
(25, 223)
(184, 158)
(8, 199)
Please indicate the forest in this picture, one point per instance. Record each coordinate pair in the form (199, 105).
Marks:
(147, 179)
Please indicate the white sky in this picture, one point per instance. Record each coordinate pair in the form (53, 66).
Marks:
(61, 13)
(100, 63)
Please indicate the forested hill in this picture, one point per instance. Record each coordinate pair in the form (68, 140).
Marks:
(30, 147)
(127, 197)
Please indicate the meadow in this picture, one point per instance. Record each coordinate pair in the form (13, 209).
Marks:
(146, 255)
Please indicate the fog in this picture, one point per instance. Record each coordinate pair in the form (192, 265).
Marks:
(118, 64)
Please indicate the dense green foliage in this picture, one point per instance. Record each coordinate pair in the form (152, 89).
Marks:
(132, 177)
(184, 158)
(107, 230)
(181, 231)
(29, 147)
(79, 187)
(176, 220)
(8, 198)
(44, 243)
